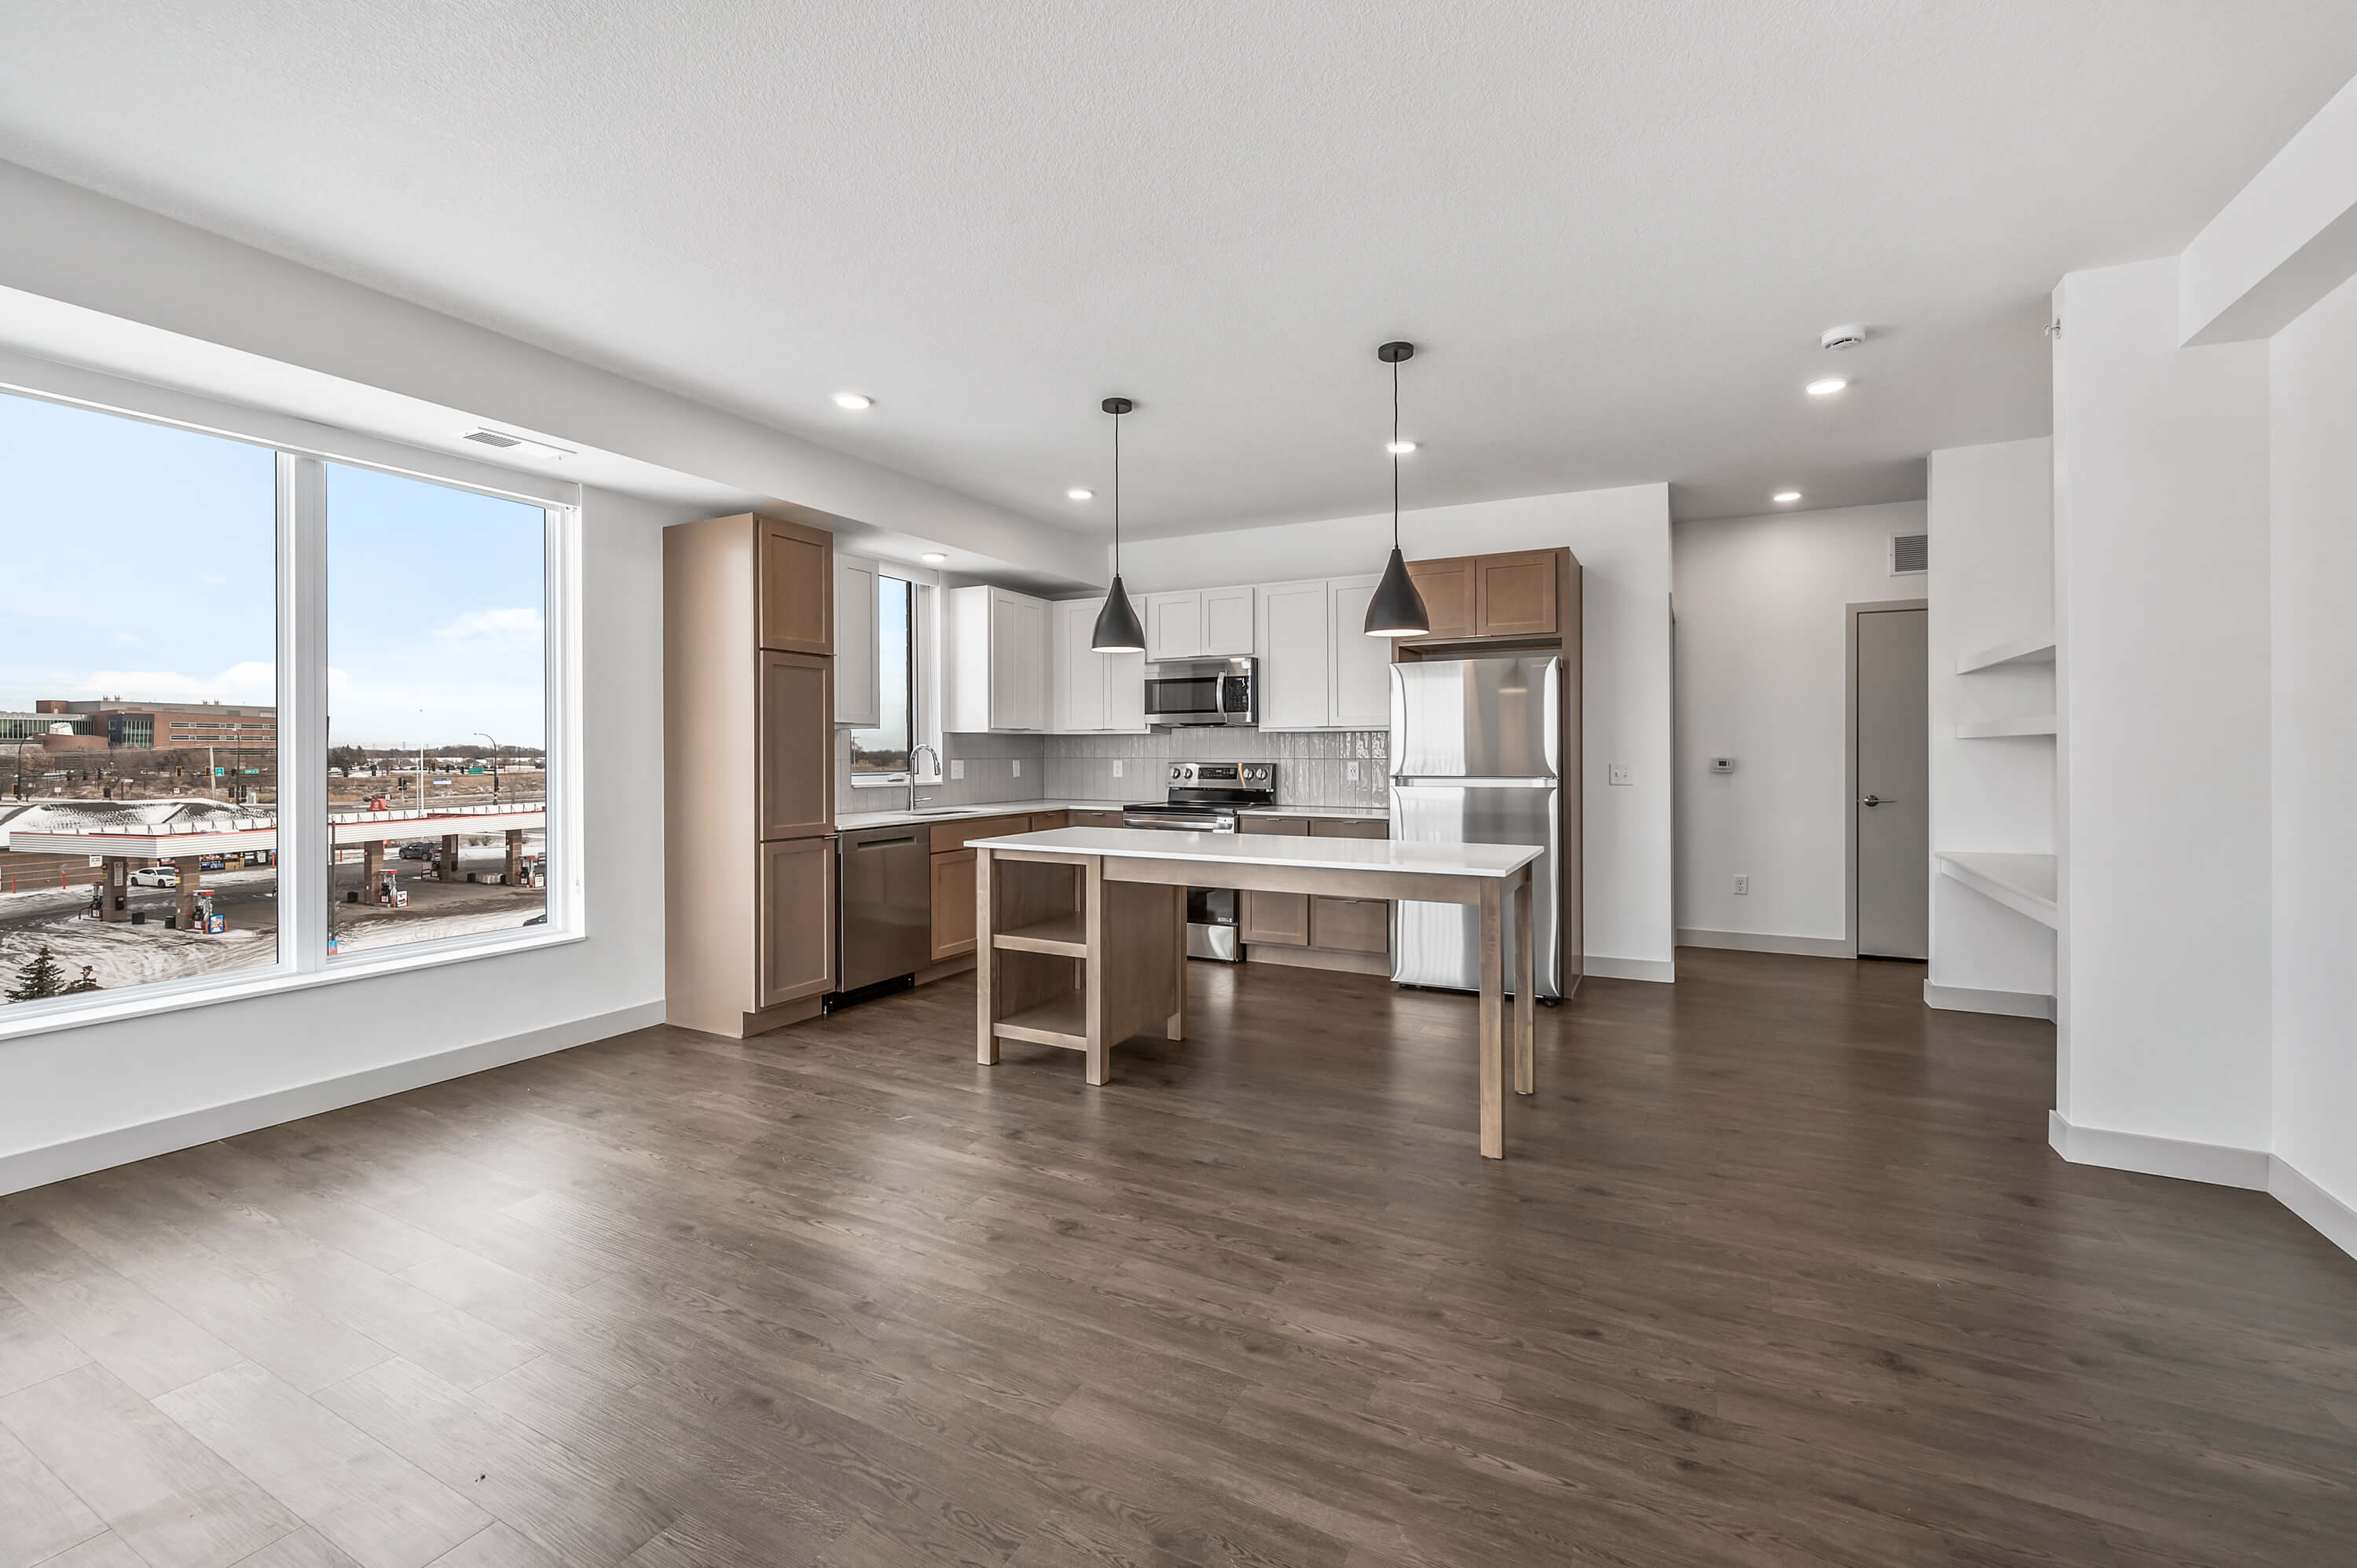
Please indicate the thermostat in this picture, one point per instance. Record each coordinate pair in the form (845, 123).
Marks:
(1722, 765)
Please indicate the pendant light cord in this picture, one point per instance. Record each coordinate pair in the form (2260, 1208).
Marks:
(1395, 456)
(1116, 495)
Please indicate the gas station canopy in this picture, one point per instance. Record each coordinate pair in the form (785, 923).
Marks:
(171, 841)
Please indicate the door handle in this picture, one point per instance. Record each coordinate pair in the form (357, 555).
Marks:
(1875, 800)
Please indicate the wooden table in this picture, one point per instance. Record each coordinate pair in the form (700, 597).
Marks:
(1081, 932)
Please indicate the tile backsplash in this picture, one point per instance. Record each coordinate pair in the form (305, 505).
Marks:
(1313, 771)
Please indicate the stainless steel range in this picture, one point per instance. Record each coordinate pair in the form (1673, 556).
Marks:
(1206, 798)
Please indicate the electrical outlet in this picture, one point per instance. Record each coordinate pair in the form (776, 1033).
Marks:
(957, 766)
(1116, 767)
(1018, 767)
(1742, 882)
(1620, 774)
(1351, 772)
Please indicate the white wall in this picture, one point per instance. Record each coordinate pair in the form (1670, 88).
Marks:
(2312, 391)
(2161, 541)
(1762, 676)
(62, 243)
(1622, 540)
(85, 1098)
(1991, 581)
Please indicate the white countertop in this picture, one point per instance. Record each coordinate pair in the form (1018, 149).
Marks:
(1488, 860)
(844, 820)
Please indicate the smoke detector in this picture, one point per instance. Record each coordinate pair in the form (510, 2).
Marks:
(1842, 337)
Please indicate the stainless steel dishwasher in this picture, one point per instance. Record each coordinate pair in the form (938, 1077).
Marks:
(883, 905)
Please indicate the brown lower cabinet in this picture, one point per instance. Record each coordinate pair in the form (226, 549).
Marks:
(1080, 819)
(953, 909)
(1317, 932)
(797, 920)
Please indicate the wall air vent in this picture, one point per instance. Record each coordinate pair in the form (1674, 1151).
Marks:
(501, 439)
(1909, 554)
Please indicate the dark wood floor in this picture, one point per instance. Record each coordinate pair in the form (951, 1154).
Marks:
(1779, 1272)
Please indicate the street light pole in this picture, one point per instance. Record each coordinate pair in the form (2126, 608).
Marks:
(495, 766)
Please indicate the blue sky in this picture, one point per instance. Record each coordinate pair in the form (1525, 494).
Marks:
(137, 561)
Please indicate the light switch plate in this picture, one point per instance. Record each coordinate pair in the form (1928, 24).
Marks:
(1620, 774)
(1018, 767)
(957, 768)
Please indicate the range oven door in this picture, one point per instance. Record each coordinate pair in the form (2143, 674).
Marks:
(1200, 691)
(1214, 924)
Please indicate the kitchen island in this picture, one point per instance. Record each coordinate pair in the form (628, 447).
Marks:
(1082, 931)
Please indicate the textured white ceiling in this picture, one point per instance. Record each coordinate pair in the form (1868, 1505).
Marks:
(1617, 228)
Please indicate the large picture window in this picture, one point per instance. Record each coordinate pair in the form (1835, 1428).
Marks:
(270, 713)
(886, 748)
(138, 703)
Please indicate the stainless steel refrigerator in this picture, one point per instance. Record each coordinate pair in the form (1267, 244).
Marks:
(1475, 757)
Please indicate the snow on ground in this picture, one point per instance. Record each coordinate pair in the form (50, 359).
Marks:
(370, 936)
(124, 954)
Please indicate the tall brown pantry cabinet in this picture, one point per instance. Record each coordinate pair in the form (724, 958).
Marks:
(749, 772)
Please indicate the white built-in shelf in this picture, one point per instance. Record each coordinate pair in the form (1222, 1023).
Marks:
(2022, 883)
(2038, 649)
(1992, 729)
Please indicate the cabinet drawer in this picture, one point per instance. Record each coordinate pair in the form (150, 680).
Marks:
(1351, 924)
(1279, 919)
(1350, 828)
(948, 836)
(1044, 821)
(1094, 819)
(954, 905)
(1296, 827)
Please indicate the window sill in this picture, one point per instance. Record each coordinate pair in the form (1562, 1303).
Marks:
(179, 996)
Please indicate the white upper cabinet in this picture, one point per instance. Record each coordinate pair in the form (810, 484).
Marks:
(1228, 628)
(1317, 668)
(857, 702)
(1296, 656)
(1094, 692)
(1174, 626)
(994, 665)
(1360, 665)
(1201, 623)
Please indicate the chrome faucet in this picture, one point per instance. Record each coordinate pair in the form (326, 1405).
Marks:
(914, 771)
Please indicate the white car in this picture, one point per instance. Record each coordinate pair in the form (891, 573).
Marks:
(155, 876)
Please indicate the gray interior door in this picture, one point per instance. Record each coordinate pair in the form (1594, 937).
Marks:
(1894, 782)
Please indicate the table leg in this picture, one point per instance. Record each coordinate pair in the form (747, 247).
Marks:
(985, 962)
(1092, 974)
(1176, 1029)
(1492, 1045)
(1525, 993)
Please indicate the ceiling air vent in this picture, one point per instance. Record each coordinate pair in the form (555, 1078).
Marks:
(501, 439)
(1909, 553)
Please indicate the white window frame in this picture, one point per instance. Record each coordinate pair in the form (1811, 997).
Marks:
(304, 450)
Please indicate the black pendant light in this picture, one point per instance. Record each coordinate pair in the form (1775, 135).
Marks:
(1397, 609)
(1118, 628)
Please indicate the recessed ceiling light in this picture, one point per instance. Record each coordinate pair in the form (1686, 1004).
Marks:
(1399, 448)
(1078, 494)
(932, 557)
(1825, 386)
(1785, 498)
(854, 401)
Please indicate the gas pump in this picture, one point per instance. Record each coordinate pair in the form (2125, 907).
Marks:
(212, 925)
(389, 892)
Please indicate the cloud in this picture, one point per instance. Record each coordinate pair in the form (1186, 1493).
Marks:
(252, 680)
(517, 624)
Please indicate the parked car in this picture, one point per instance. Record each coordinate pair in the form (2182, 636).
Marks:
(418, 849)
(155, 876)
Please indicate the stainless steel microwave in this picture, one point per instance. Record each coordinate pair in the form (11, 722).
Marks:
(1202, 692)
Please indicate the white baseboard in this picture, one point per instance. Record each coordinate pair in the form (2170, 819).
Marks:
(2007, 1004)
(2333, 1220)
(1652, 969)
(101, 1151)
(2220, 1164)
(1763, 942)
